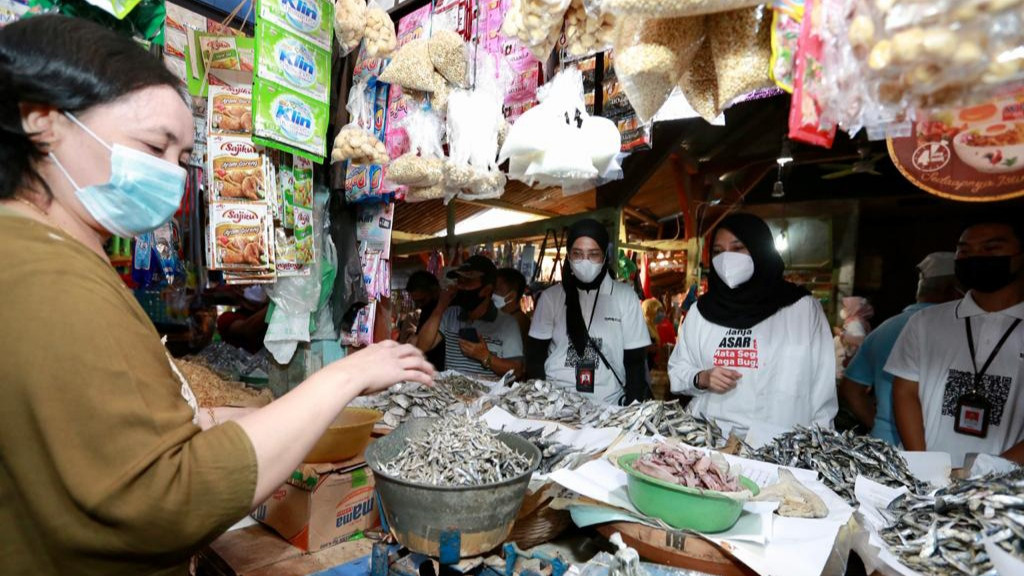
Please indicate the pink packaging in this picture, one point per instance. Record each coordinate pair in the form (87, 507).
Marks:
(521, 94)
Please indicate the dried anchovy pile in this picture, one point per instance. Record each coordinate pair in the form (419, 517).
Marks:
(839, 457)
(669, 419)
(457, 451)
(554, 455)
(411, 400)
(943, 534)
(542, 400)
(691, 468)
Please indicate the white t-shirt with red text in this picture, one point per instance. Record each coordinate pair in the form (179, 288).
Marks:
(787, 364)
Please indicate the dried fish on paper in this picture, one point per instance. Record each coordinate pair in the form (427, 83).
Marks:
(839, 457)
(554, 454)
(451, 394)
(944, 533)
(542, 400)
(668, 419)
(686, 467)
(457, 451)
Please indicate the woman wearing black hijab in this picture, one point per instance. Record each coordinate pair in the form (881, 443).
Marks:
(756, 348)
(588, 332)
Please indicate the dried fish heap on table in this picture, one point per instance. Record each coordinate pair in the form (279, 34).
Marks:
(542, 400)
(943, 534)
(457, 451)
(669, 419)
(554, 455)
(449, 395)
(690, 468)
(839, 457)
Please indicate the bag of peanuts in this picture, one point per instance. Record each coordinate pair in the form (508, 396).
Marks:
(355, 142)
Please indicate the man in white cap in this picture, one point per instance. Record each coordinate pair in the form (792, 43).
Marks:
(937, 284)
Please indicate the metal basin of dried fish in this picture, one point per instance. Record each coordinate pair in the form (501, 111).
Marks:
(542, 400)
(839, 457)
(457, 451)
(668, 419)
(468, 456)
(945, 533)
(554, 455)
(657, 483)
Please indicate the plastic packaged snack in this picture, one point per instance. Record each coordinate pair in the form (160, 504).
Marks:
(536, 23)
(650, 56)
(805, 118)
(587, 32)
(448, 54)
(674, 8)
(741, 43)
(412, 170)
(436, 192)
(349, 23)
(358, 146)
(380, 38)
(785, 38)
(411, 67)
(699, 84)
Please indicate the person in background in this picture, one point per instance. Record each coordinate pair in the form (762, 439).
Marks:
(424, 290)
(508, 296)
(588, 331)
(246, 326)
(866, 372)
(855, 314)
(477, 338)
(959, 367)
(654, 315)
(109, 466)
(755, 349)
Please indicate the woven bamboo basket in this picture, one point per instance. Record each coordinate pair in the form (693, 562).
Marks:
(538, 523)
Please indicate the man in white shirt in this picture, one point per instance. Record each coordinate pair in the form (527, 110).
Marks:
(959, 367)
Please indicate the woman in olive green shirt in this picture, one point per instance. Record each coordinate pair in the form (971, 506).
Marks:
(104, 468)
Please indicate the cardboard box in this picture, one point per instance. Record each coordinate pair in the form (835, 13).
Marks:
(323, 505)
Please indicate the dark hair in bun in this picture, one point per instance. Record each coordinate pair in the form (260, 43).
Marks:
(70, 64)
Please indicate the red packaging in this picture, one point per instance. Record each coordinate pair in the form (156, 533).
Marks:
(805, 109)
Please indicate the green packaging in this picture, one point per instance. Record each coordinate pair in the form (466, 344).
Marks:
(287, 120)
(313, 19)
(286, 189)
(293, 61)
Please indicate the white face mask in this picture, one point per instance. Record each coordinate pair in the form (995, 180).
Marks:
(734, 268)
(586, 270)
(499, 301)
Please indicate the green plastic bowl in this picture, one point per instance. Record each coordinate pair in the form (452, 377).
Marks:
(681, 507)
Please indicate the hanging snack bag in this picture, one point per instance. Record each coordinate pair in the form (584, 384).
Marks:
(741, 43)
(650, 56)
(449, 56)
(239, 236)
(805, 112)
(536, 23)
(587, 32)
(290, 121)
(236, 170)
(311, 19)
(293, 61)
(302, 170)
(674, 8)
(411, 67)
(305, 251)
(786, 19)
(349, 23)
(379, 37)
(286, 191)
(229, 111)
(355, 142)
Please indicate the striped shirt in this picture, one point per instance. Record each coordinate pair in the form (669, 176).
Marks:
(499, 330)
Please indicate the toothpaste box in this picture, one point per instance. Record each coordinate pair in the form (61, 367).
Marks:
(323, 505)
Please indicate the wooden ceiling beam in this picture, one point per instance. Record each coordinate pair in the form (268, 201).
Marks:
(510, 206)
(640, 166)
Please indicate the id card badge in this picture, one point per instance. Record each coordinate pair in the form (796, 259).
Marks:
(972, 412)
(585, 376)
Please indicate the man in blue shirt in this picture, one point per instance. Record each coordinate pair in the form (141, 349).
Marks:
(937, 284)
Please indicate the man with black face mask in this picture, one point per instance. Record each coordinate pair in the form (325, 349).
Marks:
(959, 367)
(478, 339)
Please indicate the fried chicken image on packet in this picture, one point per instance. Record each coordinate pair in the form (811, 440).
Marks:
(236, 170)
(240, 236)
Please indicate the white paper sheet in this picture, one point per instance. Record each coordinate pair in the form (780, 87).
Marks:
(874, 497)
(1004, 562)
(988, 464)
(785, 546)
(931, 467)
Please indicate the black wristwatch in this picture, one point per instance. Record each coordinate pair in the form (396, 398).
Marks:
(696, 382)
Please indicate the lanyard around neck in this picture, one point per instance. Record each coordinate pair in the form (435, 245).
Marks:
(979, 375)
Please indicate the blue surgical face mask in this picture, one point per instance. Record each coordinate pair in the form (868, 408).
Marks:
(142, 194)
